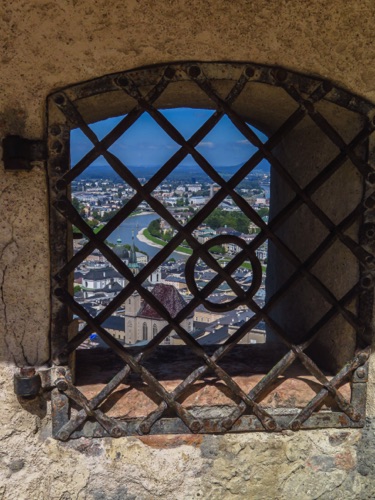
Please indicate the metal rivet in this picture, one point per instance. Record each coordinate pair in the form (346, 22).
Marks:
(61, 184)
(61, 384)
(366, 282)
(295, 425)
(361, 372)
(249, 72)
(59, 99)
(63, 435)
(144, 428)
(194, 71)
(270, 424)
(195, 426)
(281, 75)
(57, 146)
(169, 73)
(116, 432)
(59, 292)
(55, 129)
(123, 81)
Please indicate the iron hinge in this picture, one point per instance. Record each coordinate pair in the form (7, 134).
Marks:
(30, 381)
(20, 153)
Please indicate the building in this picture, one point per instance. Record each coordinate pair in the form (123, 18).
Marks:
(143, 322)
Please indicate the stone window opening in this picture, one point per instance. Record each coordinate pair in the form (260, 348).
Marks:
(320, 286)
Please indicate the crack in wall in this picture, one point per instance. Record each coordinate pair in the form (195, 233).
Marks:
(7, 332)
(2, 297)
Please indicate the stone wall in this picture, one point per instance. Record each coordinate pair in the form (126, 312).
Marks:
(46, 45)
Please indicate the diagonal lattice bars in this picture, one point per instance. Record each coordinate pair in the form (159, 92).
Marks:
(305, 93)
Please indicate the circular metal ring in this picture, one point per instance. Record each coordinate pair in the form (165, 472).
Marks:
(250, 255)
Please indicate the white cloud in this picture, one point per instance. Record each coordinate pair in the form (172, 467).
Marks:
(243, 141)
(206, 144)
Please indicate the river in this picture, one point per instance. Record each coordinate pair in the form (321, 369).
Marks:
(136, 223)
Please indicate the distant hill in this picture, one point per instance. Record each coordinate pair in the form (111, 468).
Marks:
(180, 172)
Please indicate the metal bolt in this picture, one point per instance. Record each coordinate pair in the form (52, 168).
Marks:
(63, 435)
(194, 71)
(250, 72)
(61, 185)
(195, 426)
(270, 424)
(281, 75)
(366, 282)
(59, 99)
(55, 129)
(295, 425)
(59, 292)
(370, 231)
(61, 384)
(169, 73)
(116, 431)
(361, 372)
(57, 146)
(144, 428)
(123, 81)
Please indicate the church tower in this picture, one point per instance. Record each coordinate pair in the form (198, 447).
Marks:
(133, 264)
(133, 303)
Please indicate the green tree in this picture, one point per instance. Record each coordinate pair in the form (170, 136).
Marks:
(263, 211)
(217, 249)
(154, 228)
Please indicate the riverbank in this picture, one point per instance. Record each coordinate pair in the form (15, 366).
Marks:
(141, 237)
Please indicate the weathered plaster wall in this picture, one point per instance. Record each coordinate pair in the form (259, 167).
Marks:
(45, 45)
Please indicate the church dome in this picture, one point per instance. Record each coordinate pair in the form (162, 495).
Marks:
(121, 251)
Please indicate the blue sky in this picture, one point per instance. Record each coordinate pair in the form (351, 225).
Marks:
(146, 144)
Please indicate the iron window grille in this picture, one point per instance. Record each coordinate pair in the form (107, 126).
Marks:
(226, 88)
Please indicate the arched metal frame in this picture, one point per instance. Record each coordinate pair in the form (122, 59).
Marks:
(220, 84)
